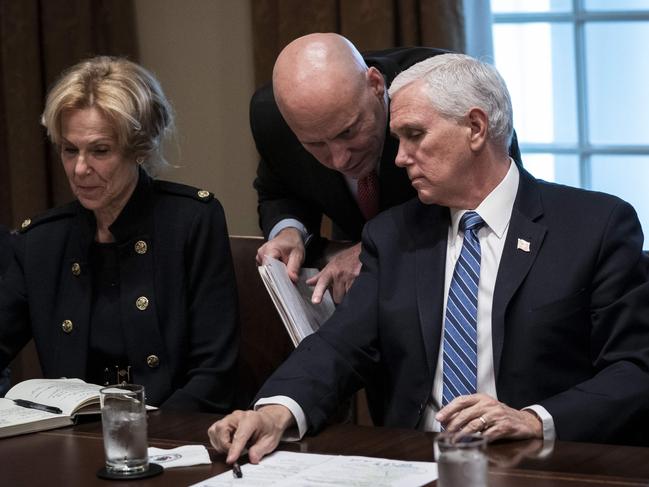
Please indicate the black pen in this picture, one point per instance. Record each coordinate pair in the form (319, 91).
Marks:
(236, 470)
(35, 405)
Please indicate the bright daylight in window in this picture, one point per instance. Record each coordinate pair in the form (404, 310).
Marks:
(578, 78)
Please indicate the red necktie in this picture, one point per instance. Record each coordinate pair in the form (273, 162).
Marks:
(368, 195)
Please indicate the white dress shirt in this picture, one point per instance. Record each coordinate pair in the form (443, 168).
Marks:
(495, 210)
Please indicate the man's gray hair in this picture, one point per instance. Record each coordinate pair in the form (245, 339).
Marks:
(456, 83)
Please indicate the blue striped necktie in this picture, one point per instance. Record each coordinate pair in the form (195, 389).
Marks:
(460, 366)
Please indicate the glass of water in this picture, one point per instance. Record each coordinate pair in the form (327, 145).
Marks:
(123, 418)
(461, 460)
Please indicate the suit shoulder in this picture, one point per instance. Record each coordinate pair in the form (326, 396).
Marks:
(263, 94)
(402, 212)
(393, 61)
(51, 216)
(172, 189)
(561, 194)
(411, 206)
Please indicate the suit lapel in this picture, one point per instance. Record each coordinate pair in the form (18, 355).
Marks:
(430, 225)
(523, 243)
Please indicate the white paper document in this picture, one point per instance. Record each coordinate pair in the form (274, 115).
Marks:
(308, 469)
(182, 456)
(293, 301)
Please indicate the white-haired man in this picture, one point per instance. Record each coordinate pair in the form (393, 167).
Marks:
(493, 302)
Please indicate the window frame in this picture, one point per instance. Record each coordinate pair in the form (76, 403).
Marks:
(584, 150)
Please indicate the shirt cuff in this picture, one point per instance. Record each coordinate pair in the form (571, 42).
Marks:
(291, 434)
(549, 433)
(288, 223)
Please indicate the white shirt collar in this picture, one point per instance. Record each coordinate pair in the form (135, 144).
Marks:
(496, 208)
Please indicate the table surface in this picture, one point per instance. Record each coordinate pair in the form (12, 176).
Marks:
(71, 456)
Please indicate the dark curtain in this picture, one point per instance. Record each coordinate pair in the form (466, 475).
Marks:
(369, 24)
(38, 40)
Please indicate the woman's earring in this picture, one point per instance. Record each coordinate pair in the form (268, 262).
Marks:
(139, 160)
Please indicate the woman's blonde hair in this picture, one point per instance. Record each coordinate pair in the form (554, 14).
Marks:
(127, 94)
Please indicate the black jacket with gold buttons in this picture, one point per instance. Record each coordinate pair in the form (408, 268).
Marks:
(177, 304)
(5, 250)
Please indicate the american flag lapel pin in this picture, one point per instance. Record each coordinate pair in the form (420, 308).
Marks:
(523, 245)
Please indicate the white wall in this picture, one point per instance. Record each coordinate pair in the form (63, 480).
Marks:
(201, 51)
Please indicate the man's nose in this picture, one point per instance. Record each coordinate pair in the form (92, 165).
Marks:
(402, 156)
(340, 155)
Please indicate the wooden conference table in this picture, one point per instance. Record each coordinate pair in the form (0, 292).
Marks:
(71, 456)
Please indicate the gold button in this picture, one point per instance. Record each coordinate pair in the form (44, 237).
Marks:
(203, 194)
(152, 361)
(76, 269)
(26, 223)
(141, 247)
(67, 326)
(142, 303)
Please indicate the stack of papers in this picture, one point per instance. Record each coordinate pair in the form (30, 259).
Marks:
(293, 301)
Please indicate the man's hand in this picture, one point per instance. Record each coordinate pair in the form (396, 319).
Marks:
(483, 413)
(338, 274)
(260, 430)
(288, 247)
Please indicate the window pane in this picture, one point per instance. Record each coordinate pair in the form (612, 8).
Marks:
(539, 68)
(617, 82)
(626, 177)
(527, 6)
(616, 4)
(562, 169)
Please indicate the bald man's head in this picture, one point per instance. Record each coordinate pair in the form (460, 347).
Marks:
(325, 63)
(332, 101)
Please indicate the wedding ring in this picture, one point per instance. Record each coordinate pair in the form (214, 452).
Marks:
(484, 423)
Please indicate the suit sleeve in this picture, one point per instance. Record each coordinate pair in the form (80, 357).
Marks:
(15, 329)
(212, 316)
(278, 180)
(341, 357)
(614, 403)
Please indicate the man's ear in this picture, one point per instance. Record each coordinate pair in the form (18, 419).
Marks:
(376, 81)
(478, 122)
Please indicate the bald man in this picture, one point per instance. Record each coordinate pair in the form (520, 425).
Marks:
(322, 132)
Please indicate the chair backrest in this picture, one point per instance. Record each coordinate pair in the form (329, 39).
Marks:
(265, 343)
(25, 365)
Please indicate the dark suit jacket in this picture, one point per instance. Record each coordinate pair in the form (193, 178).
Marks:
(186, 273)
(291, 183)
(6, 252)
(6, 255)
(570, 322)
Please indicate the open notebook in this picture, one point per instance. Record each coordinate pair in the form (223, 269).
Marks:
(71, 396)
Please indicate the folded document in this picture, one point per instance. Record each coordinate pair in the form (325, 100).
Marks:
(183, 456)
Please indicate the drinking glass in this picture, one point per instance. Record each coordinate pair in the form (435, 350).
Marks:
(123, 418)
(461, 460)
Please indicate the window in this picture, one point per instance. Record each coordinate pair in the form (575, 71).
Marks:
(578, 79)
